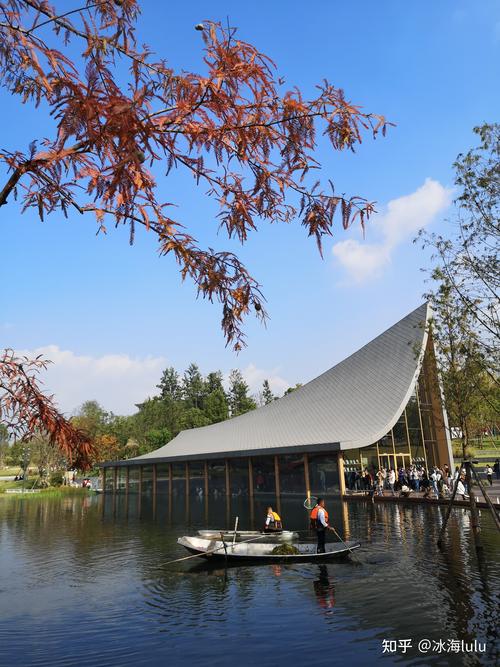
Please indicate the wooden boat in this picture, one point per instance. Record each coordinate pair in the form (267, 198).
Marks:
(278, 536)
(253, 551)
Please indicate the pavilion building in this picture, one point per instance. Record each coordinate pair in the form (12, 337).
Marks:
(380, 407)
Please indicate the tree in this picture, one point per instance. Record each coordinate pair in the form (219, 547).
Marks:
(91, 418)
(25, 410)
(170, 385)
(216, 406)
(267, 394)
(193, 386)
(213, 382)
(118, 115)
(290, 389)
(468, 256)
(4, 445)
(459, 357)
(192, 418)
(239, 400)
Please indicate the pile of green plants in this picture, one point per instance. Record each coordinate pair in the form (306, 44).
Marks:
(285, 550)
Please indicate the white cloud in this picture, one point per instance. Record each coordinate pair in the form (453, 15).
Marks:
(116, 381)
(400, 221)
(254, 377)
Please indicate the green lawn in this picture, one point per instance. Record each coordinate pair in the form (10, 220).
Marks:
(51, 491)
(9, 471)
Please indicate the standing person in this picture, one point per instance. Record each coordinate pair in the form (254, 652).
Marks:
(435, 478)
(380, 482)
(391, 478)
(273, 521)
(319, 518)
(489, 474)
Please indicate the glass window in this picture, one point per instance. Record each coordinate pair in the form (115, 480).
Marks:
(369, 459)
(323, 473)
(162, 476)
(109, 479)
(217, 477)
(178, 479)
(121, 480)
(133, 479)
(238, 476)
(263, 475)
(292, 474)
(196, 478)
(400, 436)
(147, 479)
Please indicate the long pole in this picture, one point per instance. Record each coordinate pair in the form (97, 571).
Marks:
(487, 498)
(448, 511)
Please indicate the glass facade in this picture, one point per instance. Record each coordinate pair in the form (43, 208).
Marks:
(147, 479)
(238, 477)
(323, 473)
(291, 467)
(196, 478)
(162, 477)
(178, 479)
(263, 474)
(121, 479)
(217, 477)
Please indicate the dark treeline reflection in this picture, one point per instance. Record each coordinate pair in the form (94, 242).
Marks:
(87, 577)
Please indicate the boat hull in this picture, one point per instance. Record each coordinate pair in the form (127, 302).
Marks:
(248, 552)
(281, 536)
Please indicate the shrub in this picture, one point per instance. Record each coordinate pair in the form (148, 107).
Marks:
(56, 479)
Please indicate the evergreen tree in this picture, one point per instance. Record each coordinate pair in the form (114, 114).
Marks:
(267, 394)
(170, 385)
(214, 382)
(239, 400)
(216, 406)
(193, 386)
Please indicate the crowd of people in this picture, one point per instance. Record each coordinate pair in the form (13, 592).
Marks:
(433, 482)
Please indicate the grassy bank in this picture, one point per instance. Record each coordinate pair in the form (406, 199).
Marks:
(51, 491)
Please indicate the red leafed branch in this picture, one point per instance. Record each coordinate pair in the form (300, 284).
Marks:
(26, 410)
(122, 120)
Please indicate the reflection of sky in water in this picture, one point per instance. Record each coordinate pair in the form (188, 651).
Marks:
(82, 584)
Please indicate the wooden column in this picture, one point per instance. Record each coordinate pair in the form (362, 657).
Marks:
(250, 477)
(155, 476)
(140, 480)
(127, 479)
(115, 479)
(169, 481)
(277, 476)
(340, 463)
(306, 475)
(206, 479)
(102, 476)
(187, 480)
(228, 481)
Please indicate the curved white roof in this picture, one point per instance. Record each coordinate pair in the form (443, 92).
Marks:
(353, 404)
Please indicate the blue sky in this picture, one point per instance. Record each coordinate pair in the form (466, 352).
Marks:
(112, 316)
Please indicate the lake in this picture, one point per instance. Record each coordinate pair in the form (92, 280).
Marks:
(83, 580)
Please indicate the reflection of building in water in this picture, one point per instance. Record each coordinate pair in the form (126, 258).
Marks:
(380, 407)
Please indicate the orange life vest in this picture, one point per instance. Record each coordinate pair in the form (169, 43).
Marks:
(314, 516)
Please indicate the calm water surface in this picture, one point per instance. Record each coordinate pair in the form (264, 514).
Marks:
(83, 581)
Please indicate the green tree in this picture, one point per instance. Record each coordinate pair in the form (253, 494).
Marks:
(170, 386)
(4, 445)
(216, 406)
(267, 394)
(193, 386)
(91, 418)
(290, 389)
(193, 418)
(459, 358)
(213, 382)
(468, 254)
(239, 400)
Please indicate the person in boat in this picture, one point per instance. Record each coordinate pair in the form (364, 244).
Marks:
(273, 521)
(319, 521)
